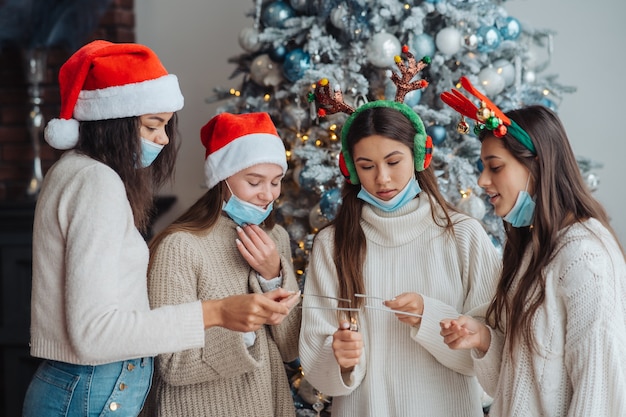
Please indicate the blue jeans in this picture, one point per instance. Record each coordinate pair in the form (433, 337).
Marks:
(60, 389)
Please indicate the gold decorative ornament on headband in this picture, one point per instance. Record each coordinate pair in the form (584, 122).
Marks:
(488, 115)
(331, 101)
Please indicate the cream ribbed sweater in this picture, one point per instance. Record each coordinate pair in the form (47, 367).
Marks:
(403, 371)
(581, 332)
(89, 297)
(223, 378)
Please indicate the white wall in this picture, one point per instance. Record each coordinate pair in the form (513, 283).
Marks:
(195, 39)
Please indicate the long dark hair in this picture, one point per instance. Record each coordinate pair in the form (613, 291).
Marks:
(562, 199)
(350, 243)
(116, 143)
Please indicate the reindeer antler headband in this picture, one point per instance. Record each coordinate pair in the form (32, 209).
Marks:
(488, 115)
(332, 102)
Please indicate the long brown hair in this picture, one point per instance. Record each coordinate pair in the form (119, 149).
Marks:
(201, 216)
(116, 143)
(349, 239)
(561, 198)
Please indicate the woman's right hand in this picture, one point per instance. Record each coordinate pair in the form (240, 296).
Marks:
(246, 312)
(347, 346)
(465, 333)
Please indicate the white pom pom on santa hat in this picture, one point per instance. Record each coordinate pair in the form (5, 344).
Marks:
(105, 80)
(62, 133)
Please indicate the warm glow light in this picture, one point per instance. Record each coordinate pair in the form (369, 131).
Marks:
(546, 92)
(266, 97)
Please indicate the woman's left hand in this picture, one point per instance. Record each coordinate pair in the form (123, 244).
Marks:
(259, 250)
(410, 302)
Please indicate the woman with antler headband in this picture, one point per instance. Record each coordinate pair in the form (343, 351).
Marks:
(555, 343)
(396, 240)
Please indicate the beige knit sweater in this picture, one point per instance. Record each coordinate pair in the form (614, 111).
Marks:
(224, 378)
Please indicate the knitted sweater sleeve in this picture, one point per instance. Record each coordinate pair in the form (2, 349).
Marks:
(318, 326)
(479, 265)
(174, 274)
(593, 290)
(285, 334)
(95, 215)
(488, 366)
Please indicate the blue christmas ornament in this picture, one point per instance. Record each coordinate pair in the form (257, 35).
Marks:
(479, 165)
(437, 133)
(278, 53)
(548, 103)
(412, 98)
(275, 14)
(297, 62)
(489, 38)
(422, 45)
(432, 1)
(510, 29)
(330, 202)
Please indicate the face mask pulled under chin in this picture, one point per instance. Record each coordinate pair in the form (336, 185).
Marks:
(407, 194)
(243, 212)
(522, 213)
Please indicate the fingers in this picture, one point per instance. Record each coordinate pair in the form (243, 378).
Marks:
(411, 303)
(255, 239)
(259, 250)
(347, 346)
(278, 294)
(461, 333)
(287, 299)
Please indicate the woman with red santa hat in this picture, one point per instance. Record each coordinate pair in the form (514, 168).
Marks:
(91, 320)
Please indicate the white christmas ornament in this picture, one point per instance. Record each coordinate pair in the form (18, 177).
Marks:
(449, 41)
(382, 48)
(265, 72)
(249, 39)
(473, 206)
(506, 71)
(530, 77)
(491, 81)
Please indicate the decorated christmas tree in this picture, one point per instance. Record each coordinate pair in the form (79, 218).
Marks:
(293, 44)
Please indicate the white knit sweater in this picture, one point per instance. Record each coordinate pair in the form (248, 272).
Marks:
(89, 293)
(403, 371)
(581, 332)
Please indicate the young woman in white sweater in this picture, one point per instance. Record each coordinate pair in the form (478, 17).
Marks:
(555, 340)
(396, 241)
(91, 321)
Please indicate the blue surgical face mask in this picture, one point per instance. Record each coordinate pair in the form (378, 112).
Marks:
(149, 152)
(521, 215)
(243, 212)
(407, 194)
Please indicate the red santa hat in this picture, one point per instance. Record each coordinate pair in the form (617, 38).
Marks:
(235, 142)
(104, 80)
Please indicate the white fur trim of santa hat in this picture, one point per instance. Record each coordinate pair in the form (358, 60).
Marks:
(235, 142)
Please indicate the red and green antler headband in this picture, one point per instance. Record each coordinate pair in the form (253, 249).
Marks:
(488, 116)
(332, 102)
